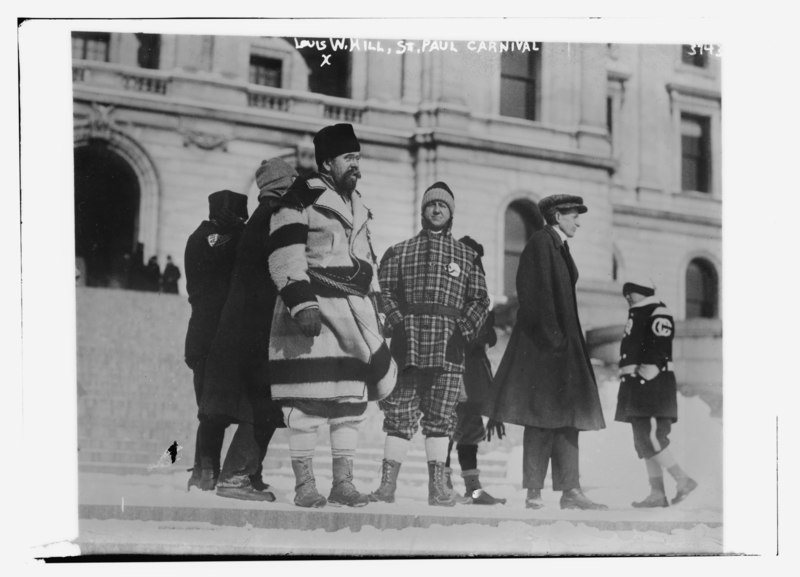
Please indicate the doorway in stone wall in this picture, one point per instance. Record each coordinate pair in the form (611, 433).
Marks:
(107, 199)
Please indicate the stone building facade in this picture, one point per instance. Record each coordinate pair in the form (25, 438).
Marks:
(161, 121)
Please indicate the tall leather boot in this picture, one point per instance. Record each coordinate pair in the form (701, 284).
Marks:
(343, 492)
(385, 492)
(475, 492)
(438, 495)
(305, 489)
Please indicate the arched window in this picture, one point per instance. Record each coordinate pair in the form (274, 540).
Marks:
(521, 221)
(701, 290)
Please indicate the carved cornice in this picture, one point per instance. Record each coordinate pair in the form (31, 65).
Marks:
(205, 140)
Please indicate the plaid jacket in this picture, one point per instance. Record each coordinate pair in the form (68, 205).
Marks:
(433, 269)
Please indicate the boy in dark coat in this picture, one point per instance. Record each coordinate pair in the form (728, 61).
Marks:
(647, 391)
(209, 259)
(470, 429)
(545, 381)
(237, 384)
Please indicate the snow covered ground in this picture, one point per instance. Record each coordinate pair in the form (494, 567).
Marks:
(610, 473)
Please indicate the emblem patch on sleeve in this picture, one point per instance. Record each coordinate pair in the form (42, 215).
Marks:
(217, 239)
(662, 327)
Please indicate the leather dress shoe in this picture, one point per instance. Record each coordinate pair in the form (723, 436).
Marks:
(575, 499)
(684, 488)
(534, 499)
(245, 492)
(652, 500)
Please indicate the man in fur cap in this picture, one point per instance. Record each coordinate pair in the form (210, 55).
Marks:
(326, 347)
(435, 300)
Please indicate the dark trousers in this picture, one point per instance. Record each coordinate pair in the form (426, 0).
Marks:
(208, 443)
(246, 453)
(540, 446)
(247, 449)
(210, 430)
(650, 435)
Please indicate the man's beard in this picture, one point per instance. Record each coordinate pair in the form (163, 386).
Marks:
(347, 182)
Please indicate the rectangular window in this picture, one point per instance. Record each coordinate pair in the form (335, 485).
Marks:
(91, 46)
(694, 55)
(519, 84)
(265, 71)
(695, 153)
(149, 53)
(610, 114)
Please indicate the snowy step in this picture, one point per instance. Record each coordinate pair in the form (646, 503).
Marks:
(367, 461)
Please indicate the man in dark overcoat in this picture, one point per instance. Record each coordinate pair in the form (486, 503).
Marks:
(237, 381)
(545, 381)
(209, 259)
(647, 397)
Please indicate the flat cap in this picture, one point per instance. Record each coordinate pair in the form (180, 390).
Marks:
(563, 203)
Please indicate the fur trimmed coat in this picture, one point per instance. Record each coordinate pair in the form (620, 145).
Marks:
(315, 229)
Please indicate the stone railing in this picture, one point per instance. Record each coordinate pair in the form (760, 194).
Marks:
(114, 76)
(307, 103)
(179, 84)
(268, 101)
(342, 113)
(142, 83)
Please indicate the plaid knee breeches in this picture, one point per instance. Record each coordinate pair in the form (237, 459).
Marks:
(433, 396)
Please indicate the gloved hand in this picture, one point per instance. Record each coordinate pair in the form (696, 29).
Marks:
(309, 321)
(388, 330)
(454, 351)
(495, 427)
(647, 372)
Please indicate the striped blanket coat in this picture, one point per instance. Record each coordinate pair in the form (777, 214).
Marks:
(316, 229)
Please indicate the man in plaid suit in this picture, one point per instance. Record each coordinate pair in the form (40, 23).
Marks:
(435, 301)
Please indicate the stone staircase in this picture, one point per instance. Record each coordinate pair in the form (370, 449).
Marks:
(135, 395)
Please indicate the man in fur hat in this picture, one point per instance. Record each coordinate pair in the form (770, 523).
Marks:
(326, 348)
(647, 397)
(435, 300)
(545, 381)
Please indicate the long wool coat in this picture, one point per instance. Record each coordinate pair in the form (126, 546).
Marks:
(208, 260)
(647, 341)
(545, 378)
(315, 230)
(478, 368)
(236, 373)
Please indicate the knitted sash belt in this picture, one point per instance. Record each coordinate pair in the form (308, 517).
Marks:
(343, 281)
